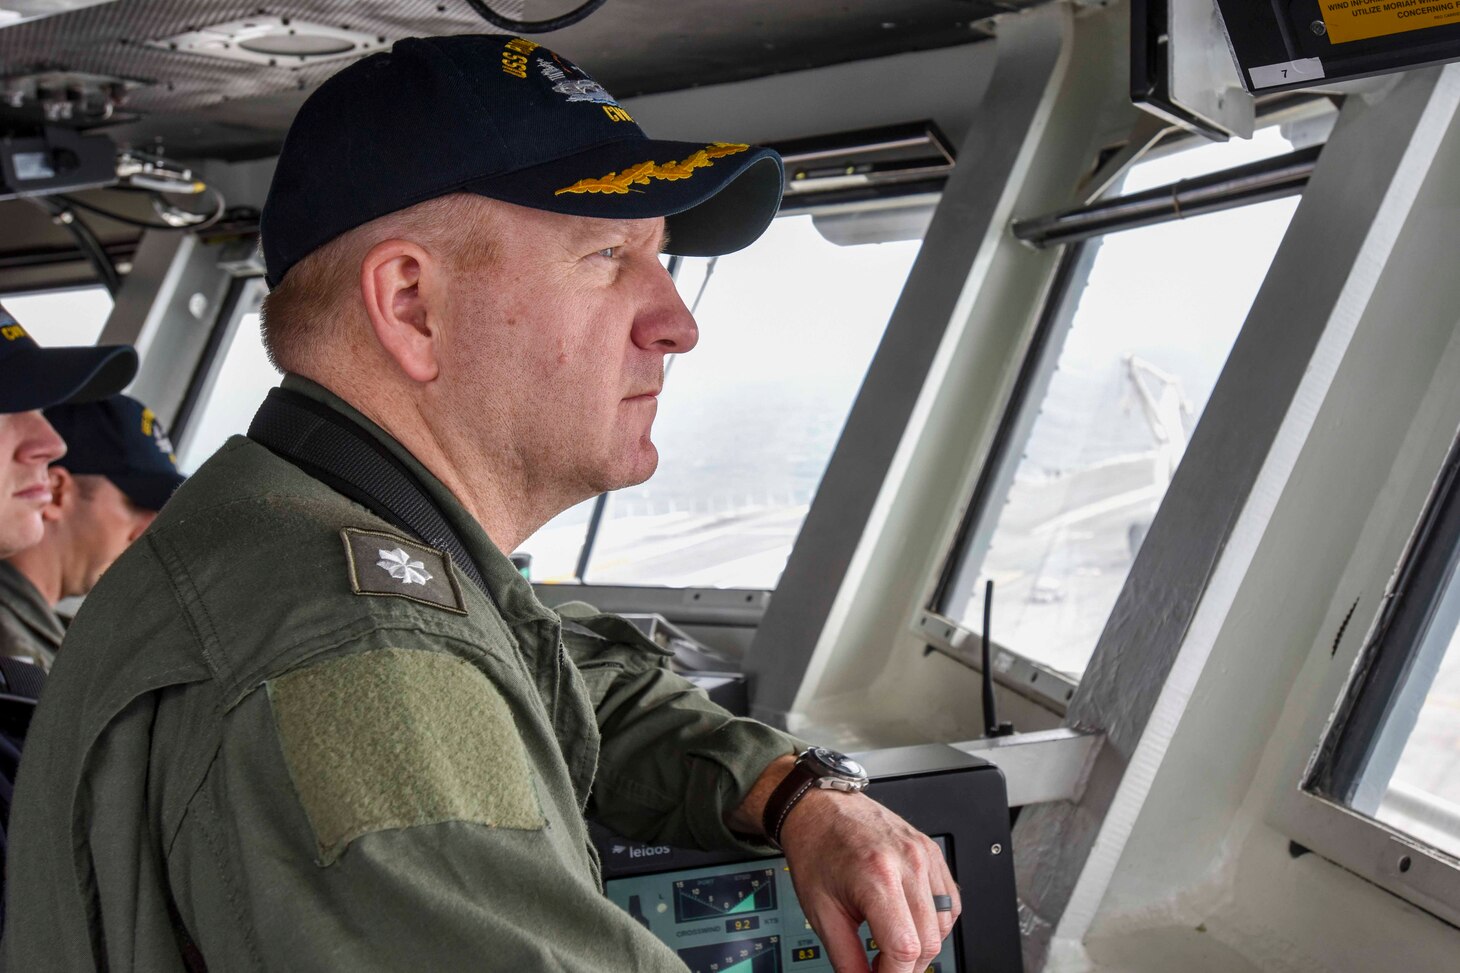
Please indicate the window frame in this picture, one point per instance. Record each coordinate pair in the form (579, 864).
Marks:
(1316, 814)
(244, 296)
(938, 621)
(1430, 560)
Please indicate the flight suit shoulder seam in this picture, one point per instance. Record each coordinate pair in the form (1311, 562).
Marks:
(225, 874)
(198, 771)
(428, 637)
(175, 570)
(340, 506)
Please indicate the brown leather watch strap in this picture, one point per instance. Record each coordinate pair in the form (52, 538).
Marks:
(787, 795)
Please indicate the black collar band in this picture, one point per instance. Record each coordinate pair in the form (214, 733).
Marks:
(335, 450)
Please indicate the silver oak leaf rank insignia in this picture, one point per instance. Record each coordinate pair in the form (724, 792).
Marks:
(388, 565)
(398, 565)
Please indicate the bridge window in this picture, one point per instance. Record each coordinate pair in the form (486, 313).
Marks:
(233, 381)
(1129, 357)
(74, 316)
(746, 422)
(1394, 752)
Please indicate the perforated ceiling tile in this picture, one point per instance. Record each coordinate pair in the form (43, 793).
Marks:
(273, 41)
(632, 46)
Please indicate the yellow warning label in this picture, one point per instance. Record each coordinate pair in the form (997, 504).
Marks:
(1357, 20)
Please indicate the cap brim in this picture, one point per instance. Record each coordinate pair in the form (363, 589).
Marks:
(147, 490)
(716, 198)
(51, 376)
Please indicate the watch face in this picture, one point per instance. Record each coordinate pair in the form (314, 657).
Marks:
(838, 763)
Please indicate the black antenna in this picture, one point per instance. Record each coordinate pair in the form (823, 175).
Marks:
(991, 725)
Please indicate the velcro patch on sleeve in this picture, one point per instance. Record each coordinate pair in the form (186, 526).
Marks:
(398, 738)
(394, 567)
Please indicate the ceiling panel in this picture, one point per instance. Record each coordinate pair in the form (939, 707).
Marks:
(204, 106)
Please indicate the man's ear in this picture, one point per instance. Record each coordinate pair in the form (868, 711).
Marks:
(63, 494)
(400, 282)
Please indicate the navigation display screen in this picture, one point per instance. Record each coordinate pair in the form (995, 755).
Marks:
(737, 918)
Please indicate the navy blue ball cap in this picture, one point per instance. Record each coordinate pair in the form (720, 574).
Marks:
(32, 377)
(123, 440)
(506, 118)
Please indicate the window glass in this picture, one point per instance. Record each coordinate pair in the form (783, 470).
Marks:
(1421, 795)
(1394, 749)
(238, 379)
(748, 420)
(69, 317)
(1150, 331)
(557, 544)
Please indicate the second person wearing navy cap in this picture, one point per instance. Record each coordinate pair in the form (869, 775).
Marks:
(118, 471)
(32, 378)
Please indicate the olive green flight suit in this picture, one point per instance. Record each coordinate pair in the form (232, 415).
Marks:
(30, 630)
(291, 736)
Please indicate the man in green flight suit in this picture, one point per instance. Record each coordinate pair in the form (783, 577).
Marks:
(307, 724)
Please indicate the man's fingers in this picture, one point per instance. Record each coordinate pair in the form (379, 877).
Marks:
(926, 918)
(945, 917)
(899, 942)
(943, 884)
(843, 946)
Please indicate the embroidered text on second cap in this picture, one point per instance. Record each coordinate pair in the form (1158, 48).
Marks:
(395, 567)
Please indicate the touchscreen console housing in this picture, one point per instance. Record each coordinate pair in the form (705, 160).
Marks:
(724, 913)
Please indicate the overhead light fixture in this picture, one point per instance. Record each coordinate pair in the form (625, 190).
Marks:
(14, 12)
(67, 97)
(271, 41)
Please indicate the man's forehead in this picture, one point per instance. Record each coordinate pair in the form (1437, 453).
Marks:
(589, 229)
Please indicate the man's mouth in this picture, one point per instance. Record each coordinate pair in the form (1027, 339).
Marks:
(40, 493)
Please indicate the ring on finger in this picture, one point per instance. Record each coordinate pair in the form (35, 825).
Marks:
(942, 903)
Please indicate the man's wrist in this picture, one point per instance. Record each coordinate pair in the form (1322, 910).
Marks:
(746, 818)
(817, 768)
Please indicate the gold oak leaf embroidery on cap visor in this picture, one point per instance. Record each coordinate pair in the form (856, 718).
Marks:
(641, 174)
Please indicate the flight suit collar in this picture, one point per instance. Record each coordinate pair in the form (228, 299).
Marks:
(29, 606)
(512, 593)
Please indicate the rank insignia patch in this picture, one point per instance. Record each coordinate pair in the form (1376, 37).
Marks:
(393, 567)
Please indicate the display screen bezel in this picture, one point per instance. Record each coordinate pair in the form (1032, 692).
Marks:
(680, 870)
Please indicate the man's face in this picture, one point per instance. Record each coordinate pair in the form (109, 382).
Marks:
(99, 525)
(559, 348)
(27, 445)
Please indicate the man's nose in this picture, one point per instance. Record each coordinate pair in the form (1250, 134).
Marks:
(39, 443)
(663, 323)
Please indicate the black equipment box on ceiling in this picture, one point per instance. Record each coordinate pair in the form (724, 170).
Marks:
(1298, 44)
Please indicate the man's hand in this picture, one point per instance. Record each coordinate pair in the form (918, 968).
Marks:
(853, 860)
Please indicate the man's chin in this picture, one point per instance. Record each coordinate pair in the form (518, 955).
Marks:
(23, 529)
(633, 469)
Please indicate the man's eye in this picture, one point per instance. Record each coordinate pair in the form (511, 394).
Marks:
(608, 252)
